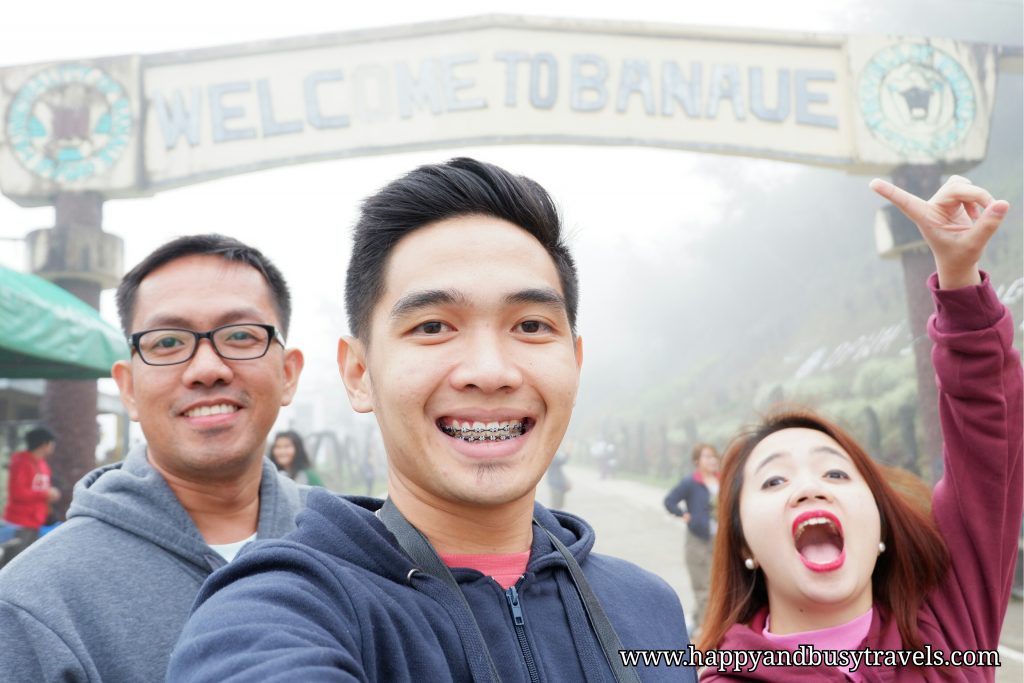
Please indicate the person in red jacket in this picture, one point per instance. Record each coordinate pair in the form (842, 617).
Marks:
(822, 556)
(29, 492)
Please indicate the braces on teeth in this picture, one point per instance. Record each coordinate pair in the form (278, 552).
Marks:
(484, 433)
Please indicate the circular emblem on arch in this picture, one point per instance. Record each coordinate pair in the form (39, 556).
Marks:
(69, 122)
(917, 99)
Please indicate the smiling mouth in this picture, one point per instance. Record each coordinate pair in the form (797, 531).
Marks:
(205, 411)
(818, 537)
(484, 431)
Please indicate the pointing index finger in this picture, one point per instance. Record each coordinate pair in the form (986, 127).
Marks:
(912, 206)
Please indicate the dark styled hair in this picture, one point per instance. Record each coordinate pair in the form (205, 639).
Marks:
(301, 460)
(916, 556)
(432, 193)
(227, 248)
(38, 437)
(699, 448)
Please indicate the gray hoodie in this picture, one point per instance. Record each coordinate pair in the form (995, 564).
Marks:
(104, 596)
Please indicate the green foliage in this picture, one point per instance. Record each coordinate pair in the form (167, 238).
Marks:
(877, 376)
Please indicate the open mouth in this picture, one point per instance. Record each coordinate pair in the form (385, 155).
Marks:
(818, 537)
(503, 430)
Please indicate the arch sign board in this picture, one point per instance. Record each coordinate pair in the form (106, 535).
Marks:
(131, 126)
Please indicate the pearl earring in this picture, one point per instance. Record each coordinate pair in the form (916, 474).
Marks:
(749, 564)
(881, 547)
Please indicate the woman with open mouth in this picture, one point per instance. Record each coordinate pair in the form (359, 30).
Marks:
(831, 567)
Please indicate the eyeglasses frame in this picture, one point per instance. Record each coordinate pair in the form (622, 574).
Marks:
(273, 335)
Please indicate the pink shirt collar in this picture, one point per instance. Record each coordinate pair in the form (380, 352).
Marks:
(848, 636)
(506, 569)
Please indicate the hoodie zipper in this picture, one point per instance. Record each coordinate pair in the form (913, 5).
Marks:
(512, 597)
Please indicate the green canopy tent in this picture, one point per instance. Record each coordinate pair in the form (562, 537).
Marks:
(49, 333)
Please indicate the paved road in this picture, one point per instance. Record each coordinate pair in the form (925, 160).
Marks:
(631, 523)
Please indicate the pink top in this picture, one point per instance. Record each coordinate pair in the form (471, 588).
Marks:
(848, 636)
(505, 569)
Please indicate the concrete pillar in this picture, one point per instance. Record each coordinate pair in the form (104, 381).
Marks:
(69, 256)
(918, 264)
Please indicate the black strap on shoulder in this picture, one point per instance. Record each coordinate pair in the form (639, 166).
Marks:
(427, 561)
(416, 545)
(606, 634)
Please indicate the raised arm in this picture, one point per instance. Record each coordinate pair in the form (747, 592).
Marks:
(978, 502)
(956, 223)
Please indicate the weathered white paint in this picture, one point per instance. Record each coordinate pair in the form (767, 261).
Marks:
(191, 116)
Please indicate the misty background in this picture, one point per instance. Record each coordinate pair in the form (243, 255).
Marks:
(711, 286)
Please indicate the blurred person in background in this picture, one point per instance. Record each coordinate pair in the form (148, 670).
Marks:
(29, 490)
(558, 480)
(699, 493)
(103, 597)
(821, 546)
(289, 454)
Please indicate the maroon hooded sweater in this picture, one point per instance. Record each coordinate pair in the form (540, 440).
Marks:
(977, 503)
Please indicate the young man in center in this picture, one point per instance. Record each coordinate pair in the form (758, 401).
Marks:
(462, 302)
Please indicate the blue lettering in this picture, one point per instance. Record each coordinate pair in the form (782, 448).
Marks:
(417, 91)
(512, 60)
(757, 104)
(543, 61)
(674, 88)
(367, 80)
(313, 113)
(805, 98)
(453, 84)
(220, 114)
(593, 83)
(636, 79)
(725, 84)
(177, 119)
(272, 127)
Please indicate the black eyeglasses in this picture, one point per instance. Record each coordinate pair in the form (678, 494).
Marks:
(171, 345)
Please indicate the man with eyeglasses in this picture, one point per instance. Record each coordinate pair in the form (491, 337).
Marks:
(104, 597)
